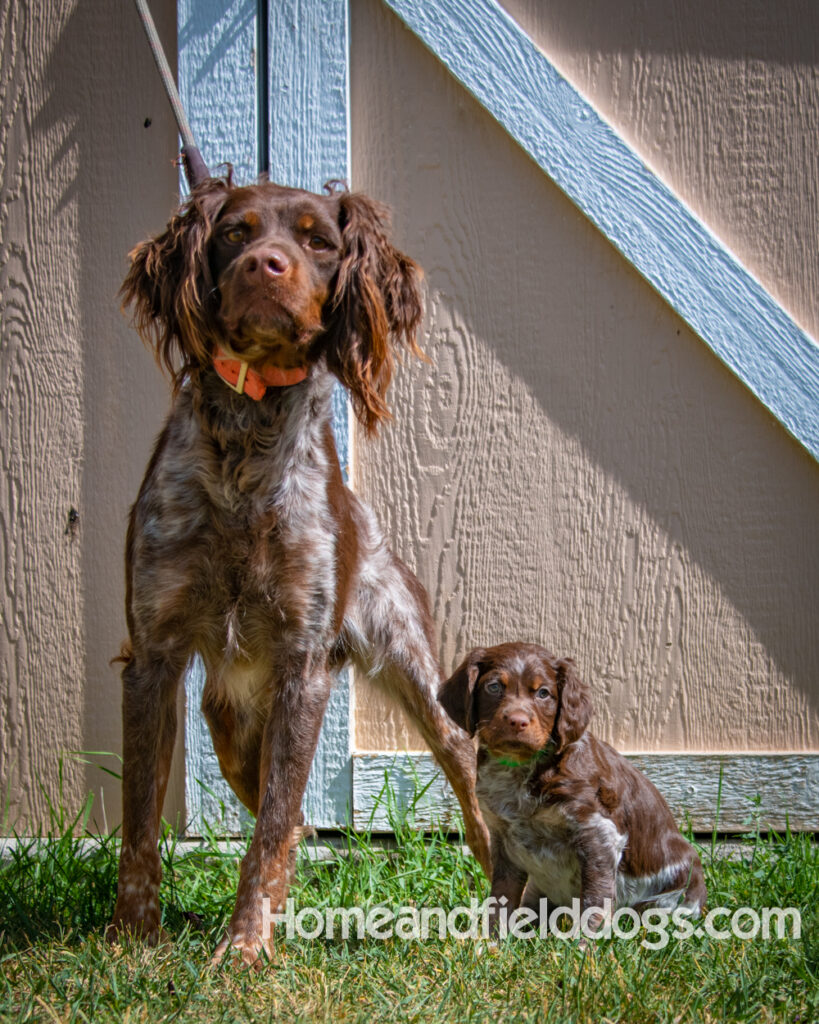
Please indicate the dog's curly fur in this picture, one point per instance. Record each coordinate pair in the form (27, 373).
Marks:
(244, 545)
(569, 817)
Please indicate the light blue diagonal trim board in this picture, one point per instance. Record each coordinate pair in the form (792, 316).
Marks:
(485, 50)
(306, 85)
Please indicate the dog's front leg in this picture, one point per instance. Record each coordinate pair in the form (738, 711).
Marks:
(394, 612)
(291, 733)
(598, 879)
(508, 884)
(149, 688)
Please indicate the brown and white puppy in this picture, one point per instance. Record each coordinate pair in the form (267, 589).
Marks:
(244, 545)
(565, 811)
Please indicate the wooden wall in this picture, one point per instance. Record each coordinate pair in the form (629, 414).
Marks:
(577, 468)
(86, 149)
(722, 101)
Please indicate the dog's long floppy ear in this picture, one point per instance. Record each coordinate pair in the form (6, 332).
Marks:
(457, 694)
(376, 305)
(575, 708)
(169, 283)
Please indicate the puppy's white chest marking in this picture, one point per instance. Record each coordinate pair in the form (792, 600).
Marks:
(541, 840)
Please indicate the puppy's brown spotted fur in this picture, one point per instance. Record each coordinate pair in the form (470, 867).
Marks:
(566, 812)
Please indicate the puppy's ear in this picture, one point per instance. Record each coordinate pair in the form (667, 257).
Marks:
(575, 708)
(457, 694)
(376, 305)
(169, 284)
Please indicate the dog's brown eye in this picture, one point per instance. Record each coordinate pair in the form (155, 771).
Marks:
(318, 244)
(543, 693)
(494, 687)
(235, 235)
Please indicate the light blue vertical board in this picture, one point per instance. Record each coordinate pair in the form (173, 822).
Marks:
(309, 145)
(308, 100)
(217, 78)
(209, 800)
(217, 81)
(308, 92)
(306, 79)
(691, 269)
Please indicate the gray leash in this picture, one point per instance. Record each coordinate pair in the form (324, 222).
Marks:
(196, 169)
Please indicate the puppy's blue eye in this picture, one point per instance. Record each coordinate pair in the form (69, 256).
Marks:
(543, 693)
(494, 687)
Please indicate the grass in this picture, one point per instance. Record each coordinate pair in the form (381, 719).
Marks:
(56, 897)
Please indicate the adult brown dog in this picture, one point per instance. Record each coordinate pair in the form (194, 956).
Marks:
(565, 811)
(244, 544)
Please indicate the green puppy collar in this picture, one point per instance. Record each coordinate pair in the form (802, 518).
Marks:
(507, 762)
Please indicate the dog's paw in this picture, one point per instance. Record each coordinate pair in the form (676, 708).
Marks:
(147, 929)
(487, 947)
(254, 951)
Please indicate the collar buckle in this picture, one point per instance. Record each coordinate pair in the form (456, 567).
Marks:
(239, 386)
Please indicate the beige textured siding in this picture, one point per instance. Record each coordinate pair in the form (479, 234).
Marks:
(578, 468)
(83, 179)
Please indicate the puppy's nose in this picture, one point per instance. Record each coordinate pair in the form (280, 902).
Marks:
(518, 720)
(271, 263)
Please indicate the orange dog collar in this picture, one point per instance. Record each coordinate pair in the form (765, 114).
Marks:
(241, 378)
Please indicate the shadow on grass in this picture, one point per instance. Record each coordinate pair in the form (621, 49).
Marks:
(62, 884)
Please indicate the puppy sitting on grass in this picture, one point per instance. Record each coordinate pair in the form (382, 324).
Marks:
(568, 816)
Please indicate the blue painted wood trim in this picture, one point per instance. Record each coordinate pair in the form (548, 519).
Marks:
(217, 44)
(775, 791)
(691, 269)
(305, 84)
(308, 99)
(308, 92)
(217, 80)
